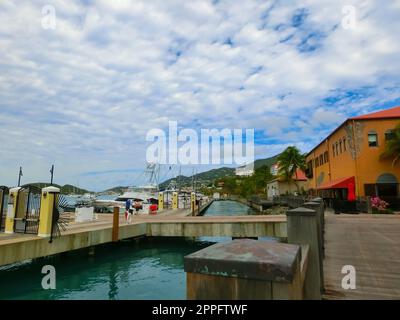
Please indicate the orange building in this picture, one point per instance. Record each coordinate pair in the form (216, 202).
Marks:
(347, 163)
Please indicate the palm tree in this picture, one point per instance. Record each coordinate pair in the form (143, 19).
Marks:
(393, 146)
(290, 161)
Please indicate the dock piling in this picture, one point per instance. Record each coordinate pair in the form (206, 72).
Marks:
(115, 229)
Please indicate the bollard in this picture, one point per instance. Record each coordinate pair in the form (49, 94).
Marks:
(175, 200)
(160, 201)
(193, 203)
(49, 200)
(11, 210)
(3, 192)
(302, 229)
(115, 230)
(244, 269)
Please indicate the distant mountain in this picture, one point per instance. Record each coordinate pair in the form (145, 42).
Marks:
(66, 189)
(119, 190)
(266, 162)
(208, 177)
(202, 178)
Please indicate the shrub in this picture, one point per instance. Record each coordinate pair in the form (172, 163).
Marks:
(379, 205)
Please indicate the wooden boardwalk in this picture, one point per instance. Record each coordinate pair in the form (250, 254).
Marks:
(370, 243)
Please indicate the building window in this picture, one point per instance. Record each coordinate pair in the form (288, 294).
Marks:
(337, 148)
(372, 139)
(340, 146)
(309, 169)
(326, 156)
(389, 135)
(321, 160)
(316, 162)
(333, 150)
(344, 144)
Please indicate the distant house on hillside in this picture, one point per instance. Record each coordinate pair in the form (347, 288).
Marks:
(279, 185)
(244, 171)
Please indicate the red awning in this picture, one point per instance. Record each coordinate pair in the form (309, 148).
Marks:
(338, 184)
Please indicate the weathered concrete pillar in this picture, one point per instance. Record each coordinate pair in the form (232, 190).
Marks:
(302, 229)
(47, 203)
(319, 209)
(11, 210)
(175, 200)
(245, 269)
(161, 201)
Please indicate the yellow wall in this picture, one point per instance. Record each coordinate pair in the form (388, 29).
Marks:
(366, 167)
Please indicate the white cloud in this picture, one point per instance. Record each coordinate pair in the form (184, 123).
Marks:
(84, 95)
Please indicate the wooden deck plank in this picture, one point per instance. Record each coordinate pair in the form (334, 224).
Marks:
(370, 243)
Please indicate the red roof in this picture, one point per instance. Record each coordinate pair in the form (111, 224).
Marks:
(301, 176)
(338, 183)
(384, 114)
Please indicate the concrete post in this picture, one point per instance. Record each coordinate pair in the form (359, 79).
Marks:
(175, 200)
(319, 209)
(11, 210)
(161, 201)
(302, 229)
(47, 203)
(245, 269)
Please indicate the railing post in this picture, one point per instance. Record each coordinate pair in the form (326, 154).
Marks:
(302, 229)
(245, 269)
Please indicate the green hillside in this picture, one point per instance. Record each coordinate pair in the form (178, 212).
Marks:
(208, 177)
(66, 189)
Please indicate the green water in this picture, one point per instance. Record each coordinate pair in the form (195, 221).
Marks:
(149, 268)
(228, 207)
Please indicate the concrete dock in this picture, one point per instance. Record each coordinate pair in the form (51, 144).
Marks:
(20, 247)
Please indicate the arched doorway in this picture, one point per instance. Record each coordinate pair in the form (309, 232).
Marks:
(387, 185)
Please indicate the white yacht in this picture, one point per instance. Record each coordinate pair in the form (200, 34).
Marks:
(140, 193)
(146, 195)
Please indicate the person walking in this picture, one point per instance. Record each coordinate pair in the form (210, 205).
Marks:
(128, 210)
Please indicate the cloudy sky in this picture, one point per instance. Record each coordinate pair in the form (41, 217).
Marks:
(84, 94)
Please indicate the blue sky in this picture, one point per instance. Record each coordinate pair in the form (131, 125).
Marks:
(84, 95)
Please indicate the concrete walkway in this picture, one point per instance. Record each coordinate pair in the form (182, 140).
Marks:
(370, 243)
